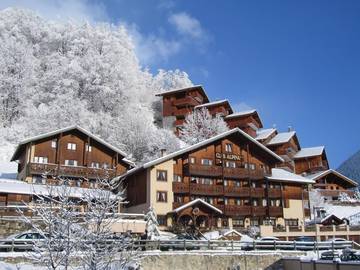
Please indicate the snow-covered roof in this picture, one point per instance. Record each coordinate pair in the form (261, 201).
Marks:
(185, 89)
(309, 152)
(282, 137)
(321, 174)
(214, 103)
(82, 130)
(243, 113)
(342, 211)
(286, 176)
(195, 202)
(20, 187)
(8, 170)
(263, 134)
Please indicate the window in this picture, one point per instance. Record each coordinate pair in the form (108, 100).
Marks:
(254, 222)
(226, 183)
(237, 183)
(78, 183)
(228, 147)
(71, 146)
(71, 162)
(161, 220)
(238, 222)
(40, 159)
(226, 201)
(95, 165)
(161, 175)
(161, 196)
(88, 148)
(205, 161)
(53, 144)
(230, 164)
(252, 166)
(37, 179)
(255, 202)
(106, 165)
(177, 178)
(291, 222)
(209, 200)
(192, 160)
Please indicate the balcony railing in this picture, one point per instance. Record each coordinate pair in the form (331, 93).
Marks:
(180, 187)
(237, 210)
(258, 211)
(275, 211)
(183, 111)
(334, 193)
(239, 173)
(257, 192)
(204, 170)
(237, 191)
(274, 193)
(200, 189)
(185, 101)
(70, 171)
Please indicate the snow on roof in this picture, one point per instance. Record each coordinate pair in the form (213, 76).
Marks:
(184, 90)
(197, 201)
(342, 211)
(321, 174)
(198, 145)
(55, 132)
(263, 134)
(209, 104)
(243, 113)
(282, 137)
(309, 152)
(286, 176)
(8, 170)
(21, 187)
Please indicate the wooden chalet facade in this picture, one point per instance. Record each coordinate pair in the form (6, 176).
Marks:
(231, 172)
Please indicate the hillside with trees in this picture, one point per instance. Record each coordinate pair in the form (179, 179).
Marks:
(351, 167)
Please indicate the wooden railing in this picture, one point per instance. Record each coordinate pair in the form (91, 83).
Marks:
(72, 171)
(258, 211)
(180, 112)
(204, 170)
(237, 191)
(206, 189)
(257, 192)
(185, 101)
(237, 210)
(180, 187)
(239, 173)
(275, 211)
(274, 193)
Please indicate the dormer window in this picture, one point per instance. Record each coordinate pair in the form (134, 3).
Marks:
(71, 146)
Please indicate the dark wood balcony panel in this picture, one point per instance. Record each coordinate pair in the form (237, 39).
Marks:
(199, 189)
(70, 171)
(335, 193)
(183, 111)
(177, 205)
(180, 187)
(239, 173)
(237, 191)
(185, 101)
(257, 192)
(237, 210)
(203, 170)
(307, 212)
(257, 174)
(258, 211)
(275, 211)
(295, 195)
(274, 193)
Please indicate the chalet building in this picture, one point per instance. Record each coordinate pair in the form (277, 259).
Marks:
(248, 121)
(331, 183)
(73, 153)
(229, 180)
(310, 160)
(220, 107)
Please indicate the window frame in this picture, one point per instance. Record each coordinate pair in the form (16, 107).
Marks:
(158, 173)
(158, 192)
(71, 146)
(228, 148)
(210, 162)
(53, 144)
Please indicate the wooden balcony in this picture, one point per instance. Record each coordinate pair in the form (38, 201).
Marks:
(335, 193)
(257, 192)
(275, 211)
(199, 189)
(185, 101)
(258, 211)
(237, 191)
(239, 173)
(180, 187)
(204, 170)
(295, 195)
(183, 111)
(257, 174)
(274, 193)
(237, 210)
(69, 171)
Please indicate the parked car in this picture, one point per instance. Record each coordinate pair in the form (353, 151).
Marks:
(268, 239)
(305, 239)
(177, 243)
(15, 242)
(268, 242)
(350, 255)
(329, 255)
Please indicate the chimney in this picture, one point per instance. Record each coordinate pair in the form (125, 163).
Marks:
(162, 152)
(290, 128)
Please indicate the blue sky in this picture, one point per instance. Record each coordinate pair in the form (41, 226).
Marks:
(297, 62)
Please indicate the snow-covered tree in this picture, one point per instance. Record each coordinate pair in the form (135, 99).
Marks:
(152, 225)
(344, 197)
(357, 195)
(55, 74)
(200, 125)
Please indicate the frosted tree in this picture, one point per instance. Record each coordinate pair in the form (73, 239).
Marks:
(58, 217)
(200, 125)
(344, 197)
(152, 225)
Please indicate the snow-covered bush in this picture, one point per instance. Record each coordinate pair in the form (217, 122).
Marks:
(200, 125)
(152, 225)
(344, 197)
(55, 74)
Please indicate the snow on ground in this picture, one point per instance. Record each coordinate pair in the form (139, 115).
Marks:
(8, 170)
